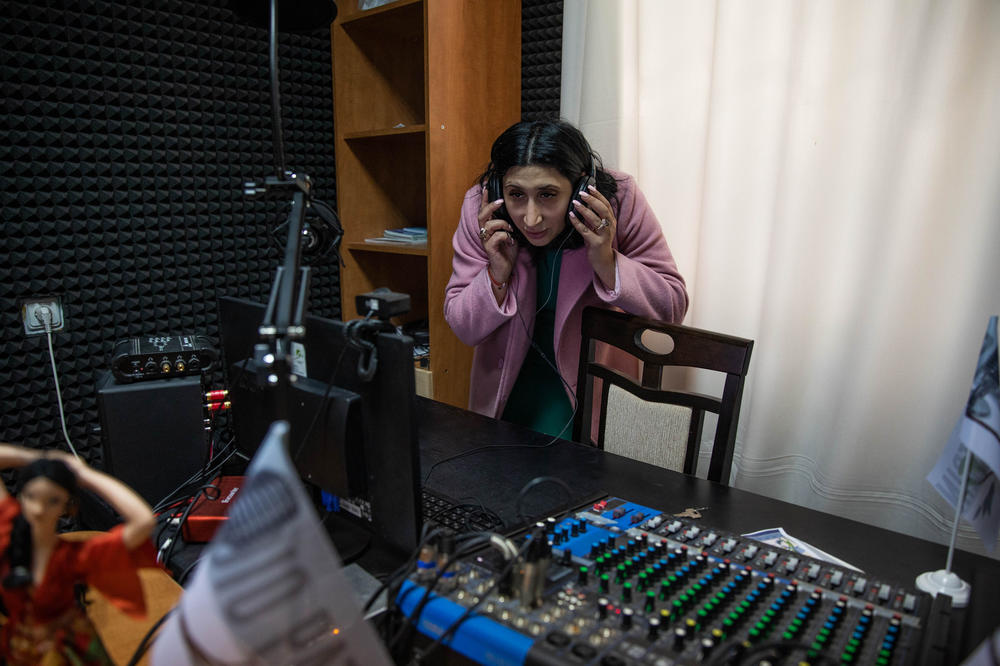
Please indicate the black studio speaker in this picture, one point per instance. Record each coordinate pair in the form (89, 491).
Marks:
(153, 432)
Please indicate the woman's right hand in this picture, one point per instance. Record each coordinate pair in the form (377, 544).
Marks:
(76, 465)
(495, 236)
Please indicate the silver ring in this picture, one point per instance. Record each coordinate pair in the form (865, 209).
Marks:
(482, 234)
(603, 225)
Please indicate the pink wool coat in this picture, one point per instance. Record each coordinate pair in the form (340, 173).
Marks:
(648, 285)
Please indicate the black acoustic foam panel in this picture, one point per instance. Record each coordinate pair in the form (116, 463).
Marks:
(541, 58)
(128, 129)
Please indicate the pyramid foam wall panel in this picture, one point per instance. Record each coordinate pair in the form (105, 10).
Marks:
(128, 130)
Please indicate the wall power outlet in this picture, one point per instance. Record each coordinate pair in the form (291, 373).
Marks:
(36, 312)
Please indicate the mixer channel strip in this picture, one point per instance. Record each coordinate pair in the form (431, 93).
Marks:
(626, 584)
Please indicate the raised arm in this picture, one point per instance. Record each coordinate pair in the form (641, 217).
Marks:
(136, 514)
(15, 456)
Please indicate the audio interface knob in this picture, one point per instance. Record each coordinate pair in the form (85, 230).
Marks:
(654, 629)
(627, 614)
(680, 636)
(602, 608)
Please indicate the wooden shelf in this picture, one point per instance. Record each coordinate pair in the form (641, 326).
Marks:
(421, 88)
(379, 133)
(378, 69)
(354, 14)
(389, 248)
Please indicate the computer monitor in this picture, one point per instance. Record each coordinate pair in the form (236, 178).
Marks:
(352, 436)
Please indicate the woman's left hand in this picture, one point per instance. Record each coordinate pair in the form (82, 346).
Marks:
(592, 216)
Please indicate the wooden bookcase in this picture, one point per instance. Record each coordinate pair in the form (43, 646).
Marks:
(421, 88)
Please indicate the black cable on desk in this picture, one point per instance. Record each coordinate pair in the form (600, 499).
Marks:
(462, 618)
(552, 441)
(488, 447)
(198, 477)
(392, 583)
(538, 480)
(146, 640)
(169, 548)
(427, 533)
(414, 617)
(473, 543)
(187, 570)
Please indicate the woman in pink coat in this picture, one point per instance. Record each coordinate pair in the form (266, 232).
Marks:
(545, 232)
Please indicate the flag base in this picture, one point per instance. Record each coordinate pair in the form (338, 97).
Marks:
(945, 582)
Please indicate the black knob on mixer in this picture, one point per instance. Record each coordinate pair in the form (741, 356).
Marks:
(654, 629)
(602, 608)
(680, 636)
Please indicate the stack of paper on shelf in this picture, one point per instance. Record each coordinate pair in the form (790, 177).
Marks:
(404, 236)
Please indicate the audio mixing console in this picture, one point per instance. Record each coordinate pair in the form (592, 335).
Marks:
(619, 583)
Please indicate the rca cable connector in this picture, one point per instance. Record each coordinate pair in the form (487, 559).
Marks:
(426, 563)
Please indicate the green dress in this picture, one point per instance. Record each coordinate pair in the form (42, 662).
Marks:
(539, 399)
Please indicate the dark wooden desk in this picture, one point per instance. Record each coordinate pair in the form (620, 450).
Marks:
(514, 456)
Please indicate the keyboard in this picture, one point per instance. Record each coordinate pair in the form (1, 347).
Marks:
(443, 512)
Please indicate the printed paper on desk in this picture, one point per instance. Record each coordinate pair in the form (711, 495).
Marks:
(269, 588)
(777, 536)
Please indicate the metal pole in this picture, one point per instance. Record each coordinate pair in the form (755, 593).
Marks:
(958, 509)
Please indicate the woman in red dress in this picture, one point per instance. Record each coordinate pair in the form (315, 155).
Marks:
(39, 571)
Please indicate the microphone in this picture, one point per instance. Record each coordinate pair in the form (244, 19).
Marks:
(293, 15)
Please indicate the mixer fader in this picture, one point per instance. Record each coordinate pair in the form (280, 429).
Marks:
(618, 583)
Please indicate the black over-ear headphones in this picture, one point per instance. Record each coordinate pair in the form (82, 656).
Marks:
(494, 190)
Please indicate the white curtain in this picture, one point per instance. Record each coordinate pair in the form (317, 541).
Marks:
(827, 174)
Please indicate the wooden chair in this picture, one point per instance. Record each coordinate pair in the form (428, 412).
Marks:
(645, 421)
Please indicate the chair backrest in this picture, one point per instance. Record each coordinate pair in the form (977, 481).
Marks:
(644, 420)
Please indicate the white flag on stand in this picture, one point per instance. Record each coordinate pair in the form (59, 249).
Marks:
(978, 432)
